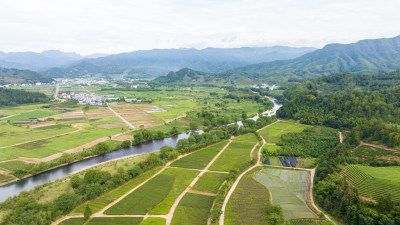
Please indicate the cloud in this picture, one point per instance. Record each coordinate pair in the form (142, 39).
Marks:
(106, 26)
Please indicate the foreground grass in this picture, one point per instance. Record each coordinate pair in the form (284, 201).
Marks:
(154, 221)
(210, 182)
(115, 220)
(200, 159)
(248, 203)
(236, 156)
(193, 209)
(288, 190)
(373, 182)
(73, 221)
(273, 133)
(15, 165)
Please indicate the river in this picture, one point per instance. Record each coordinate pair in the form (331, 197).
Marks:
(49, 176)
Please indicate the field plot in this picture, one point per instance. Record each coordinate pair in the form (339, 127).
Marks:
(115, 220)
(43, 148)
(154, 221)
(8, 111)
(78, 114)
(365, 152)
(273, 133)
(288, 188)
(236, 156)
(135, 114)
(200, 158)
(157, 195)
(309, 222)
(210, 182)
(247, 138)
(5, 178)
(73, 221)
(193, 209)
(373, 182)
(37, 114)
(15, 165)
(248, 203)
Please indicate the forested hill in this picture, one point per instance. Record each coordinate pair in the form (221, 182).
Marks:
(10, 76)
(10, 97)
(365, 56)
(346, 82)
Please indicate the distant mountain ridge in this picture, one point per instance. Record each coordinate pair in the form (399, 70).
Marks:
(365, 56)
(157, 62)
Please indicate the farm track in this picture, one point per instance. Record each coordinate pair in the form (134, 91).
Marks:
(122, 118)
(341, 137)
(378, 146)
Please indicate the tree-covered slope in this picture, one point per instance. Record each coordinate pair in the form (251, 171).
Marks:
(11, 76)
(10, 97)
(365, 56)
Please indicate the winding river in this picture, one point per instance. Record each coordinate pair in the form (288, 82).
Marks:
(31, 182)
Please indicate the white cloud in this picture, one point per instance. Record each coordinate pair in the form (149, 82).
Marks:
(91, 26)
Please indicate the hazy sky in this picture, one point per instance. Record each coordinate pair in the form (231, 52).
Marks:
(111, 26)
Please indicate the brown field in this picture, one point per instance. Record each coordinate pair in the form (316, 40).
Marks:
(42, 125)
(99, 113)
(112, 125)
(133, 112)
(123, 137)
(68, 115)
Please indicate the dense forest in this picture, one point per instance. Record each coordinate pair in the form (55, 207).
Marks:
(10, 97)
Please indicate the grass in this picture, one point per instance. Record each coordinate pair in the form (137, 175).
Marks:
(44, 148)
(200, 158)
(247, 138)
(16, 165)
(368, 153)
(193, 209)
(273, 133)
(115, 220)
(306, 162)
(248, 203)
(272, 148)
(154, 221)
(73, 221)
(275, 161)
(288, 190)
(183, 178)
(308, 222)
(210, 182)
(144, 198)
(373, 182)
(33, 114)
(5, 178)
(101, 202)
(236, 156)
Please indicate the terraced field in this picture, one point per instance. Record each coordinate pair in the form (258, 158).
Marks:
(373, 182)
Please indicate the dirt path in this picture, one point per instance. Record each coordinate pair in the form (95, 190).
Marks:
(122, 118)
(377, 146)
(341, 136)
(252, 150)
(56, 91)
(178, 117)
(202, 193)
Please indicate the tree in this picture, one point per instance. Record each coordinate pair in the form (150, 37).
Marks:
(174, 131)
(193, 126)
(87, 212)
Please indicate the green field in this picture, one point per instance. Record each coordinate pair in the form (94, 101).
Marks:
(5, 178)
(200, 158)
(144, 198)
(101, 202)
(73, 221)
(157, 195)
(43, 148)
(193, 209)
(115, 220)
(236, 156)
(16, 165)
(248, 203)
(273, 133)
(21, 109)
(247, 138)
(210, 182)
(154, 221)
(33, 114)
(368, 153)
(288, 190)
(309, 222)
(373, 182)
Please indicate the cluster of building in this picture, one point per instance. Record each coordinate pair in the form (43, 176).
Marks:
(264, 86)
(93, 99)
(20, 85)
(84, 81)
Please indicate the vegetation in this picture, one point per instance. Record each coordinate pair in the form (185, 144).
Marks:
(210, 182)
(115, 220)
(154, 221)
(8, 76)
(193, 209)
(236, 156)
(10, 97)
(373, 156)
(73, 221)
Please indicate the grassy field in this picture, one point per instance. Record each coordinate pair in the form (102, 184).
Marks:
(115, 220)
(101, 202)
(247, 138)
(288, 190)
(154, 221)
(19, 109)
(5, 178)
(16, 165)
(43, 148)
(248, 203)
(273, 133)
(365, 152)
(200, 158)
(33, 114)
(144, 198)
(11, 135)
(309, 222)
(210, 182)
(73, 221)
(157, 195)
(193, 209)
(373, 182)
(237, 155)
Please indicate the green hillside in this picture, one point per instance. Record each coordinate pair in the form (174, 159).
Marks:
(14, 76)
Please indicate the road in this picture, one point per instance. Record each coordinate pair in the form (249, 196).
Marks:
(122, 118)
(56, 92)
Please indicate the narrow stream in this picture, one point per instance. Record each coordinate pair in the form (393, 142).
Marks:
(31, 182)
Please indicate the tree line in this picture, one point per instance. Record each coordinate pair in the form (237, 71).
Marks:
(11, 97)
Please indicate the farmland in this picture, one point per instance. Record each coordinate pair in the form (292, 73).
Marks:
(374, 182)
(365, 153)
(288, 189)
(273, 133)
(210, 182)
(115, 220)
(248, 203)
(193, 209)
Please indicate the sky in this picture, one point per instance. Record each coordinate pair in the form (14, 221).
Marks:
(113, 26)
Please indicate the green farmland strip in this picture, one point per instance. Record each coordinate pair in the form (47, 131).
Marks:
(210, 182)
(5, 178)
(115, 220)
(273, 133)
(15, 165)
(200, 158)
(154, 221)
(236, 156)
(193, 209)
(73, 221)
